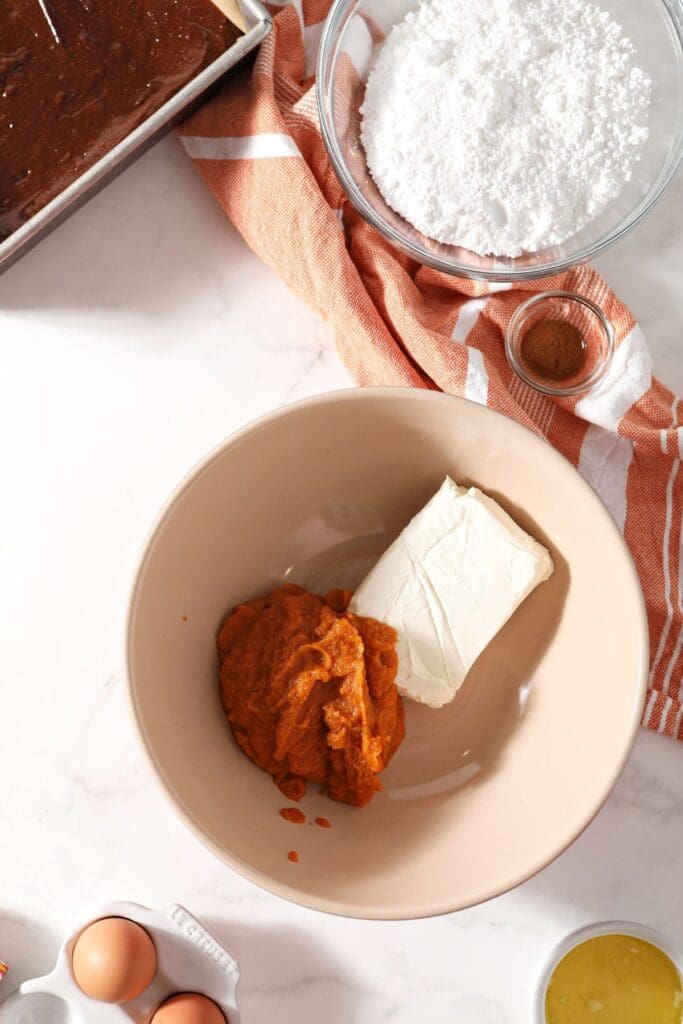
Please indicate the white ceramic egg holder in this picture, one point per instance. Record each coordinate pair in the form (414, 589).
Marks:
(189, 960)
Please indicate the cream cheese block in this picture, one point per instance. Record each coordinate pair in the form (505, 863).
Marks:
(447, 584)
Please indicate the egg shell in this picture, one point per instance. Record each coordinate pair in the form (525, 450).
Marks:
(188, 1008)
(114, 960)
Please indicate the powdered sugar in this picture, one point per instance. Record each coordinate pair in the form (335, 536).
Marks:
(504, 126)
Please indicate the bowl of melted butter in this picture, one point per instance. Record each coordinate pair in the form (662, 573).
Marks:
(613, 973)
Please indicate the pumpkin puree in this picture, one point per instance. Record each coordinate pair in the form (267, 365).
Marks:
(309, 690)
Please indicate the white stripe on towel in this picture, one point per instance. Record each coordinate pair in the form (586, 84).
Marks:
(477, 380)
(628, 378)
(247, 147)
(677, 723)
(467, 317)
(604, 462)
(647, 714)
(665, 714)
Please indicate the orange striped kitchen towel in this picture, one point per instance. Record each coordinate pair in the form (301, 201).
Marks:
(258, 145)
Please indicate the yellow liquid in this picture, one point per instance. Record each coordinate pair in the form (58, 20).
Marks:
(615, 979)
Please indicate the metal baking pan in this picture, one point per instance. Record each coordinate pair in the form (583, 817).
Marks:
(249, 15)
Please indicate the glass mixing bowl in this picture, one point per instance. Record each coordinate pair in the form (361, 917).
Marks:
(352, 34)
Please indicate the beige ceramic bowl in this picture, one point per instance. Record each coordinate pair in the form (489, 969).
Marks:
(482, 793)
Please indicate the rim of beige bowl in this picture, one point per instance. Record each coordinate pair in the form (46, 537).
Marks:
(243, 868)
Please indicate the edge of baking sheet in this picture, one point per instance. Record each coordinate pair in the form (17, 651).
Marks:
(257, 22)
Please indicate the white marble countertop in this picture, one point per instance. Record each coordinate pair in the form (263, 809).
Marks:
(133, 339)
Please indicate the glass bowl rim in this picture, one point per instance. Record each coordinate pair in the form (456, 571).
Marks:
(326, 68)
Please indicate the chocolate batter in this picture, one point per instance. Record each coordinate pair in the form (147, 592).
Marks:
(76, 76)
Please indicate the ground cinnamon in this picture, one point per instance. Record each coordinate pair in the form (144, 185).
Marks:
(553, 349)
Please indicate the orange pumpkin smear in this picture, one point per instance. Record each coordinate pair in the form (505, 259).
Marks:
(293, 815)
(309, 690)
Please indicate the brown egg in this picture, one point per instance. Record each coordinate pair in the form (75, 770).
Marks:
(114, 960)
(188, 1008)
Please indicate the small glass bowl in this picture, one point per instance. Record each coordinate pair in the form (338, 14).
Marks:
(638, 931)
(597, 335)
